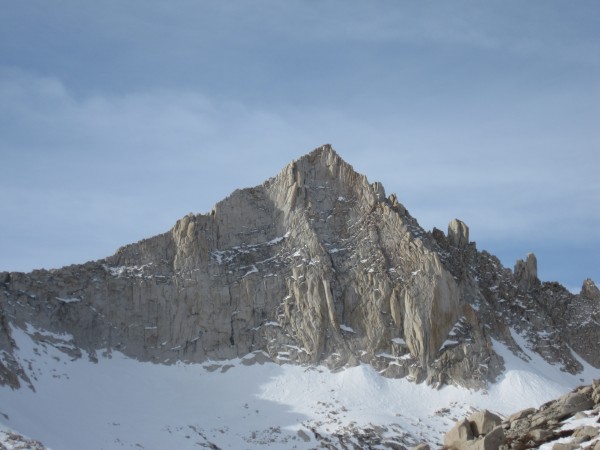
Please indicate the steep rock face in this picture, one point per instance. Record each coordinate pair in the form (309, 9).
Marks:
(458, 233)
(316, 265)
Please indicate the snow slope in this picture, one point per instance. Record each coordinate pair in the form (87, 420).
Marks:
(119, 402)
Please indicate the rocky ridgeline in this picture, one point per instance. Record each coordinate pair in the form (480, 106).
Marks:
(568, 423)
(316, 265)
(10, 440)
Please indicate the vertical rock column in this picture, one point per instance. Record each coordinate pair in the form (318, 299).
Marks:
(526, 272)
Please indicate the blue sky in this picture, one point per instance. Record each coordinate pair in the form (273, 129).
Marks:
(117, 118)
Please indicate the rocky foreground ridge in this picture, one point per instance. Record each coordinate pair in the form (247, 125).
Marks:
(315, 265)
(568, 423)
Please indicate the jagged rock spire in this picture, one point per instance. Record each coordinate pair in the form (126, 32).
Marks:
(458, 233)
(526, 272)
(590, 290)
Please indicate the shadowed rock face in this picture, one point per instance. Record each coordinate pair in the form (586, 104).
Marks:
(316, 265)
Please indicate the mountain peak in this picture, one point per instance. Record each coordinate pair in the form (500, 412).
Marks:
(325, 149)
(325, 176)
(322, 160)
(325, 154)
(315, 266)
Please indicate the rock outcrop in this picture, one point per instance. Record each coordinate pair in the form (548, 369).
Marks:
(458, 233)
(13, 440)
(590, 290)
(569, 422)
(316, 265)
(481, 431)
(526, 272)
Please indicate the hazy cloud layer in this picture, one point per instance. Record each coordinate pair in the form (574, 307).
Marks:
(117, 119)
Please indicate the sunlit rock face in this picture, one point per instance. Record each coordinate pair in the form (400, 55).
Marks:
(315, 265)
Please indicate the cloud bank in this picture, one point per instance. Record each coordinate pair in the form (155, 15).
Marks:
(117, 119)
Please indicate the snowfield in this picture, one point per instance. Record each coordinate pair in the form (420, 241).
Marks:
(119, 402)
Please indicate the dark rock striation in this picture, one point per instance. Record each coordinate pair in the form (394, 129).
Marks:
(316, 265)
